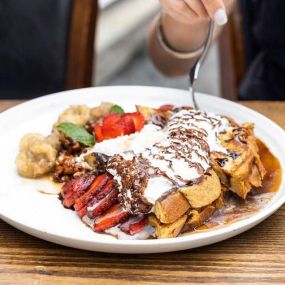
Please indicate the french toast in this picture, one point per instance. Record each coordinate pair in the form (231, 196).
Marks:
(173, 174)
(204, 193)
(240, 169)
(172, 207)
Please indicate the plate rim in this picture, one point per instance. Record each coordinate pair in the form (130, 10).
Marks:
(216, 232)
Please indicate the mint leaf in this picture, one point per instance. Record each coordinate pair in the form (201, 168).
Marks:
(77, 133)
(117, 109)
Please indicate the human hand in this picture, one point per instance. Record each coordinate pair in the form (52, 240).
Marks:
(192, 11)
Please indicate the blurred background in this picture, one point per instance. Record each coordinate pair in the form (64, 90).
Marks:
(122, 57)
(54, 45)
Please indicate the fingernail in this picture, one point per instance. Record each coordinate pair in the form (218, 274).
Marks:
(221, 17)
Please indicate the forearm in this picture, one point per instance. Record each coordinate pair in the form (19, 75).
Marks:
(180, 37)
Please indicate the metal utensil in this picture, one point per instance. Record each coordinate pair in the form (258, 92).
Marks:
(194, 72)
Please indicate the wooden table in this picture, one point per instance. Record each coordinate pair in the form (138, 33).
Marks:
(255, 257)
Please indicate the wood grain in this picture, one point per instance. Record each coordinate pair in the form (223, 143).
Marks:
(255, 257)
(81, 44)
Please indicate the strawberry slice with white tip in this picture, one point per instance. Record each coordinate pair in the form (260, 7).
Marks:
(112, 217)
(97, 185)
(134, 225)
(75, 188)
(98, 208)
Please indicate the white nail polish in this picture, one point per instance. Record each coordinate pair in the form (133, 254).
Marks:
(221, 17)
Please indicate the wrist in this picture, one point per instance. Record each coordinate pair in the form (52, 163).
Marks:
(184, 37)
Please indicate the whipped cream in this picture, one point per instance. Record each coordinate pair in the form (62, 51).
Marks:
(156, 188)
(209, 125)
(184, 155)
(137, 142)
(167, 158)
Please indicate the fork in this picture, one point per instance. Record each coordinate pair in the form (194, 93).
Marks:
(194, 71)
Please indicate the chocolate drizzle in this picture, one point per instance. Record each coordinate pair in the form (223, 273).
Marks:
(183, 158)
(131, 177)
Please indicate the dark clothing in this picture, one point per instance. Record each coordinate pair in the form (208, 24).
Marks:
(264, 30)
(33, 44)
(34, 36)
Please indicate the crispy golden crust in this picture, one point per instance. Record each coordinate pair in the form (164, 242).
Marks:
(167, 230)
(171, 208)
(197, 218)
(245, 171)
(194, 218)
(240, 173)
(169, 212)
(204, 193)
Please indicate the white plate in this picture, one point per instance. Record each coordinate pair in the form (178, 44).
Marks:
(43, 216)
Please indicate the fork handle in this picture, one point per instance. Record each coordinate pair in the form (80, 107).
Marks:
(194, 71)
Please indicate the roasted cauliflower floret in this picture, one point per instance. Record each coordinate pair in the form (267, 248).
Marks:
(54, 140)
(101, 110)
(37, 156)
(76, 114)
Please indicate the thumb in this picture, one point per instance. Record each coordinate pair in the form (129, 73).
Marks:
(216, 10)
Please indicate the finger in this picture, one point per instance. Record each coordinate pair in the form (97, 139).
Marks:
(181, 8)
(216, 10)
(197, 7)
(178, 9)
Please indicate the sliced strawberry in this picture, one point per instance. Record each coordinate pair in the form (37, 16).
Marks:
(113, 131)
(111, 119)
(105, 190)
(111, 127)
(167, 107)
(138, 120)
(134, 225)
(103, 205)
(68, 202)
(73, 189)
(82, 212)
(128, 125)
(114, 216)
(115, 125)
(95, 187)
(101, 193)
(77, 186)
(98, 132)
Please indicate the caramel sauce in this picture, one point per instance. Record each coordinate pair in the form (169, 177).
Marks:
(273, 176)
(47, 185)
(235, 208)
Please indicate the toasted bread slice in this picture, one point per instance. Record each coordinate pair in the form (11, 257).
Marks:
(197, 218)
(242, 169)
(204, 193)
(167, 230)
(194, 218)
(171, 208)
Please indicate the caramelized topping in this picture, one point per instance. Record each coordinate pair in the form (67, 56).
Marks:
(182, 158)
